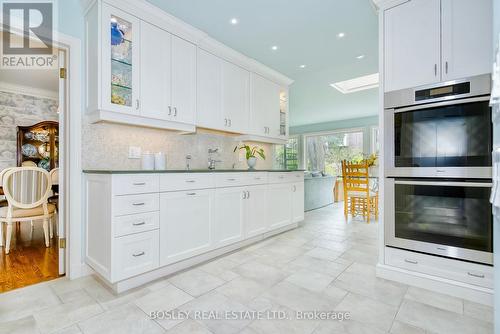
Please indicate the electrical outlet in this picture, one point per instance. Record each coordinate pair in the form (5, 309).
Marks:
(134, 152)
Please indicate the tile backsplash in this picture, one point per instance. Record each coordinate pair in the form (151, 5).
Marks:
(105, 146)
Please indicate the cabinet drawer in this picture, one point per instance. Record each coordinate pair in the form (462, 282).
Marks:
(186, 181)
(256, 178)
(278, 177)
(135, 184)
(466, 272)
(131, 224)
(223, 180)
(131, 204)
(297, 176)
(135, 254)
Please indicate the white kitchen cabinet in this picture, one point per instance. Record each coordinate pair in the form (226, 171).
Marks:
(120, 63)
(412, 37)
(228, 216)
(235, 97)
(155, 72)
(183, 81)
(265, 107)
(135, 254)
(186, 219)
(279, 197)
(256, 211)
(297, 202)
(466, 38)
(209, 91)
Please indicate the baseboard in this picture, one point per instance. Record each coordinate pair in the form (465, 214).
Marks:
(466, 291)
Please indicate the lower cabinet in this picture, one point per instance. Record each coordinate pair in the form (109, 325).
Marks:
(297, 202)
(256, 211)
(279, 196)
(228, 216)
(135, 254)
(185, 224)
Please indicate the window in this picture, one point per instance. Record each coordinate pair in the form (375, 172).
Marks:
(286, 156)
(325, 152)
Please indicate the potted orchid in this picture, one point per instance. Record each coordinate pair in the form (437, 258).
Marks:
(251, 154)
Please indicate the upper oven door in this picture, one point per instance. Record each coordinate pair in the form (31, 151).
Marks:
(444, 139)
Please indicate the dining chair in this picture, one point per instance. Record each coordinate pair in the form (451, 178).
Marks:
(359, 198)
(3, 203)
(28, 163)
(54, 199)
(27, 190)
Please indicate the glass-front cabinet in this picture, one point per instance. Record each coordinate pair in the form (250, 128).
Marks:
(120, 61)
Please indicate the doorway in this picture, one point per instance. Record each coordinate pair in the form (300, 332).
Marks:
(33, 106)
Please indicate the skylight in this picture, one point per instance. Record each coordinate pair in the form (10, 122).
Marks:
(356, 84)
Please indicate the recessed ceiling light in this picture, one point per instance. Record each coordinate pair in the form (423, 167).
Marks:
(360, 57)
(357, 84)
(341, 35)
(302, 66)
(234, 21)
(274, 47)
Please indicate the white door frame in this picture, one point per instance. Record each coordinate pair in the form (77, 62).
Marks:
(72, 178)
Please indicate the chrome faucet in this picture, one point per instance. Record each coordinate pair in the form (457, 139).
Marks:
(188, 159)
(212, 161)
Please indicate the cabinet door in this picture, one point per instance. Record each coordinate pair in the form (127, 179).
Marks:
(185, 224)
(209, 91)
(412, 44)
(155, 72)
(467, 35)
(120, 61)
(297, 202)
(229, 215)
(183, 81)
(256, 211)
(235, 97)
(279, 198)
(265, 110)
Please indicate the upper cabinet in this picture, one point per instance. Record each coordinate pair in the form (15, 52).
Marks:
(235, 97)
(428, 41)
(265, 107)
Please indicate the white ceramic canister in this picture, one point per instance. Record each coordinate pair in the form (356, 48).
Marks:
(160, 161)
(148, 160)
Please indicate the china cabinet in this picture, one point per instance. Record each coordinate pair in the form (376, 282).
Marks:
(39, 143)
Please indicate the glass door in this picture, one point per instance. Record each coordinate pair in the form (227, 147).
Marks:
(120, 61)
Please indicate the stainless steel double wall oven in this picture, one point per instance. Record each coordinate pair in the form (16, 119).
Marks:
(438, 144)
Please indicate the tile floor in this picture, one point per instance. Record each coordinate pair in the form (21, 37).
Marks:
(325, 264)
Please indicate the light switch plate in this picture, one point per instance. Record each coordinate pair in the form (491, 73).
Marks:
(134, 152)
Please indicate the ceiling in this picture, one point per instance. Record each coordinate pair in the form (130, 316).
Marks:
(305, 32)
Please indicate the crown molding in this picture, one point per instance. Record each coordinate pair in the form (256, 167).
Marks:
(27, 90)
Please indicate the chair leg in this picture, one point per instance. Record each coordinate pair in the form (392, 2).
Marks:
(46, 231)
(368, 209)
(8, 236)
(1, 234)
(346, 206)
(376, 207)
(51, 228)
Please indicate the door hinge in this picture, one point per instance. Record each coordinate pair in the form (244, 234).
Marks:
(62, 73)
(62, 243)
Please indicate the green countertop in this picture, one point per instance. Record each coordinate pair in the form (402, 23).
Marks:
(139, 171)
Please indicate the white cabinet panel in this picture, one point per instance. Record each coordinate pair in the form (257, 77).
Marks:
(412, 44)
(135, 254)
(155, 72)
(467, 35)
(235, 97)
(131, 224)
(265, 106)
(228, 216)
(278, 207)
(132, 204)
(186, 181)
(297, 202)
(256, 211)
(209, 91)
(127, 184)
(120, 62)
(185, 224)
(183, 81)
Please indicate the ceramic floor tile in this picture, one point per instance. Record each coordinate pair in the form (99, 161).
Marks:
(196, 282)
(221, 268)
(323, 253)
(435, 299)
(402, 328)
(77, 306)
(260, 272)
(440, 321)
(242, 289)
(165, 299)
(311, 280)
(25, 325)
(332, 268)
(69, 330)
(345, 327)
(189, 327)
(368, 311)
(125, 319)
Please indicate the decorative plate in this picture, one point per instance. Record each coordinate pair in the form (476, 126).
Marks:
(45, 164)
(42, 136)
(29, 135)
(44, 151)
(29, 151)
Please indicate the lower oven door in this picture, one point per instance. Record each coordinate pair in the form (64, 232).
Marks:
(446, 218)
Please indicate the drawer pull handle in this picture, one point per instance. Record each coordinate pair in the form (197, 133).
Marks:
(191, 194)
(231, 179)
(139, 224)
(138, 254)
(281, 177)
(475, 275)
(190, 181)
(411, 261)
(258, 178)
(139, 183)
(138, 204)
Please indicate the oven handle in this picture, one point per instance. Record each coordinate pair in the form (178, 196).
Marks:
(444, 103)
(446, 183)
